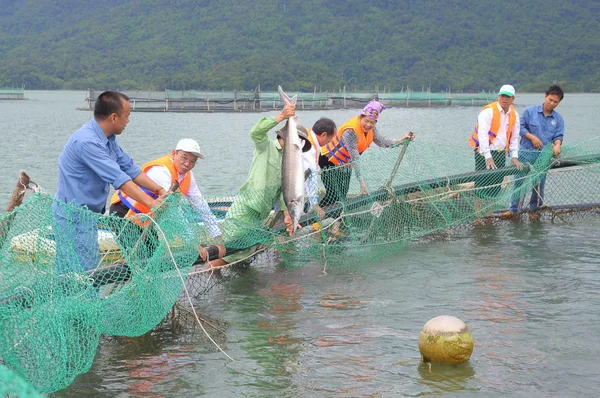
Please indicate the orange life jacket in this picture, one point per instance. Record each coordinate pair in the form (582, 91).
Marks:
(136, 207)
(337, 153)
(495, 126)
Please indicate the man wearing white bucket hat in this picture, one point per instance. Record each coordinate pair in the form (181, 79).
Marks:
(177, 166)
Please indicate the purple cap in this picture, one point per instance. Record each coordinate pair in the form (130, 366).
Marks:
(373, 109)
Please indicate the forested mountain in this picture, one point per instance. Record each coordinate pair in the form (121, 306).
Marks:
(461, 45)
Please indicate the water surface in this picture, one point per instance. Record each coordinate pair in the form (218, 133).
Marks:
(528, 292)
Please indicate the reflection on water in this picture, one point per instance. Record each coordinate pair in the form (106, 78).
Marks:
(440, 378)
(340, 347)
(271, 341)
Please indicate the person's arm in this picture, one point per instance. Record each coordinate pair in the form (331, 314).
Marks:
(95, 156)
(513, 145)
(557, 139)
(131, 189)
(525, 129)
(289, 223)
(351, 142)
(311, 185)
(146, 182)
(199, 203)
(125, 162)
(484, 122)
(380, 140)
(258, 133)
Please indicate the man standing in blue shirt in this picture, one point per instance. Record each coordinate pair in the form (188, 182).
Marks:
(91, 160)
(540, 125)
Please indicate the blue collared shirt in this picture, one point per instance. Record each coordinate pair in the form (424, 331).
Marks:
(88, 163)
(546, 128)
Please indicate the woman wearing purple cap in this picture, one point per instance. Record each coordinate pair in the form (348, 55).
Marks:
(352, 139)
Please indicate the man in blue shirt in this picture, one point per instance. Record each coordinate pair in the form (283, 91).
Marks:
(541, 125)
(91, 160)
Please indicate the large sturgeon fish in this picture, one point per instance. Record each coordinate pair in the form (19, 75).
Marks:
(293, 170)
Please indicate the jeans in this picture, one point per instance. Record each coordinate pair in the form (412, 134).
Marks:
(76, 236)
(537, 194)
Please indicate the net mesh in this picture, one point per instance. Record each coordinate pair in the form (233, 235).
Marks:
(13, 386)
(417, 191)
(68, 276)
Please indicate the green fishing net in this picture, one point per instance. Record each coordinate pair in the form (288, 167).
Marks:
(13, 386)
(417, 191)
(68, 276)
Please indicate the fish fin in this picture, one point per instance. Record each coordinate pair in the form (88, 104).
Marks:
(285, 98)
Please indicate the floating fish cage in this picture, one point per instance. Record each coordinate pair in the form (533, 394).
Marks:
(262, 101)
(10, 93)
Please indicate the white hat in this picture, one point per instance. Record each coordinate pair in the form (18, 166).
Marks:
(507, 89)
(189, 145)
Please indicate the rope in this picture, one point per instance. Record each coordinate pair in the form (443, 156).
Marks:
(187, 293)
(324, 259)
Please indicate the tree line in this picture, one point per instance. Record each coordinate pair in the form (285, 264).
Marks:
(465, 45)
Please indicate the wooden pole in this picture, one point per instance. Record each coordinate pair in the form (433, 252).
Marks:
(19, 192)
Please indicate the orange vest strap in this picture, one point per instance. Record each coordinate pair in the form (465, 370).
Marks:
(494, 126)
(337, 152)
(136, 207)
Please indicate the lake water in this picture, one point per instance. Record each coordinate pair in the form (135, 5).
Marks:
(529, 292)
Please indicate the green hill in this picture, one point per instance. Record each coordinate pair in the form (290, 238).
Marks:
(461, 45)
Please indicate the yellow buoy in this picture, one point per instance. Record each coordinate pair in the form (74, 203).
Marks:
(445, 339)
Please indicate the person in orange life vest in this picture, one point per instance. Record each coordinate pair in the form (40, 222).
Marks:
(321, 134)
(176, 166)
(351, 140)
(495, 135)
